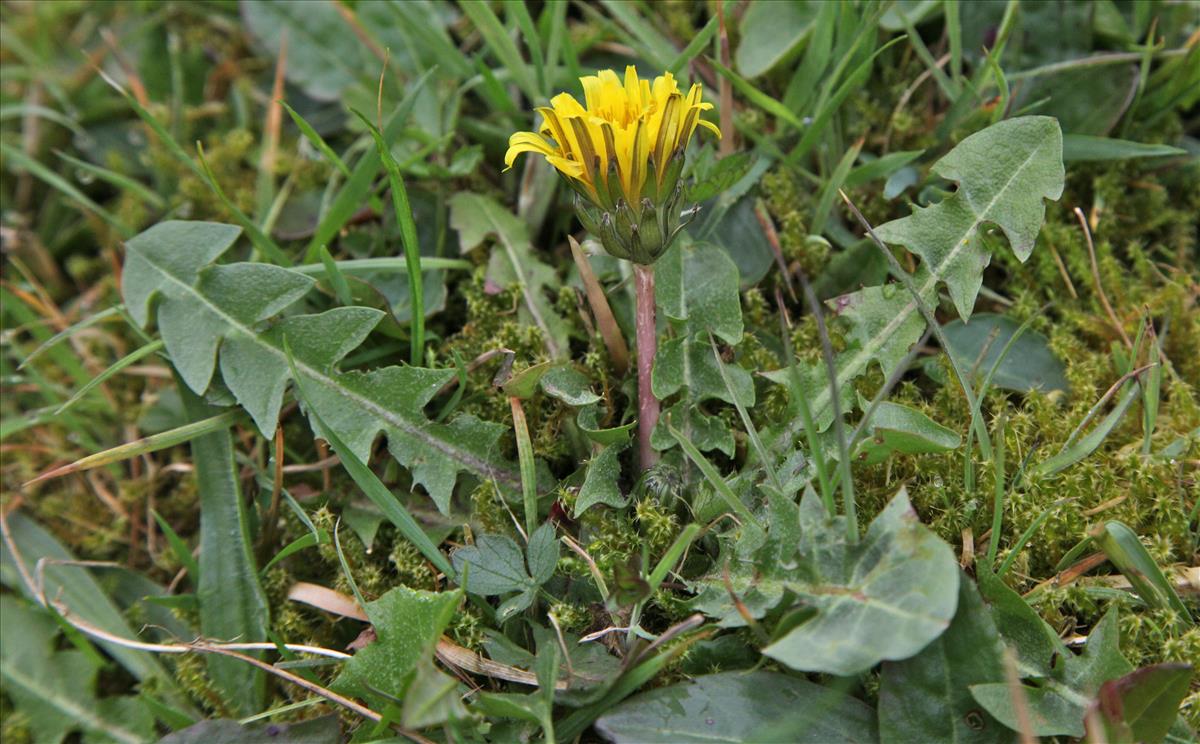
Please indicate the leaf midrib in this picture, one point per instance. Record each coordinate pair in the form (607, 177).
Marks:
(476, 464)
(79, 714)
(866, 353)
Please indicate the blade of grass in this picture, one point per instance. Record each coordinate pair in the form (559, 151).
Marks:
(374, 489)
(263, 244)
(145, 445)
(532, 40)
(233, 605)
(123, 182)
(16, 157)
(408, 236)
(698, 42)
(178, 547)
(830, 189)
(357, 188)
(497, 39)
(810, 428)
(66, 333)
(756, 96)
(826, 110)
(525, 458)
(714, 478)
(1125, 550)
(372, 265)
(341, 288)
(129, 359)
(317, 140)
(1000, 489)
(849, 506)
(751, 431)
(657, 49)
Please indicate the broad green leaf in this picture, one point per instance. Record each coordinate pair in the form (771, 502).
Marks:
(432, 699)
(926, 697)
(1082, 147)
(56, 690)
(225, 307)
(477, 217)
(1144, 703)
(1003, 174)
(324, 57)
(323, 730)
(1028, 365)
(588, 421)
(600, 482)
(75, 587)
(914, 11)
(232, 602)
(569, 385)
(897, 428)
(771, 33)
(898, 587)
(493, 565)
(408, 624)
(696, 284)
(542, 553)
(740, 707)
(1064, 684)
(687, 364)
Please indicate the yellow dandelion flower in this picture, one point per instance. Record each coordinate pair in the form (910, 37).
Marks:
(621, 143)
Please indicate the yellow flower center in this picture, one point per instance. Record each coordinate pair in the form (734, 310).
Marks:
(628, 129)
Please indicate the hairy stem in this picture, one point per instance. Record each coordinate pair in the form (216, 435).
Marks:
(647, 345)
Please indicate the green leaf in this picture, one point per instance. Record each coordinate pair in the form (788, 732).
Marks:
(1064, 684)
(1126, 552)
(600, 482)
(689, 364)
(232, 602)
(476, 217)
(408, 624)
(697, 285)
(78, 590)
(1083, 147)
(1003, 172)
(898, 588)
(897, 428)
(56, 690)
(1145, 702)
(494, 565)
(569, 385)
(738, 707)
(588, 421)
(926, 697)
(224, 307)
(323, 730)
(1028, 365)
(542, 553)
(771, 33)
(324, 58)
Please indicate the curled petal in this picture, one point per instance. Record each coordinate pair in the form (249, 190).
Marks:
(526, 142)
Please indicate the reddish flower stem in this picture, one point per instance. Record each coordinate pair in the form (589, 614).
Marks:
(647, 345)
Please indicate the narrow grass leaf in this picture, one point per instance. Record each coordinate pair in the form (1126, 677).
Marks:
(131, 358)
(16, 157)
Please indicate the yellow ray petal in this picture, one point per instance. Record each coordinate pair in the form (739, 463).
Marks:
(525, 142)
